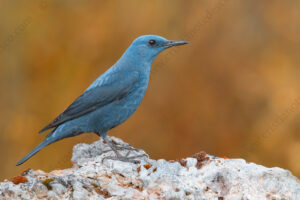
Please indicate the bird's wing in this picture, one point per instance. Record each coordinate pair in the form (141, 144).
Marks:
(90, 100)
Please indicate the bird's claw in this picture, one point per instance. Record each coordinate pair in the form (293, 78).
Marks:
(129, 148)
(127, 158)
(121, 148)
(116, 148)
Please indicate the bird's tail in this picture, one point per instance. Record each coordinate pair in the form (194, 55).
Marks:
(46, 142)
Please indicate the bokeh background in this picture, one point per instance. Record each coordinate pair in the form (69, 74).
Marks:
(233, 91)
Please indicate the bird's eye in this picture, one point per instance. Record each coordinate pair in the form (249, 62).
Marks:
(152, 42)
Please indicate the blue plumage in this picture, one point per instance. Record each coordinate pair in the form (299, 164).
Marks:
(112, 98)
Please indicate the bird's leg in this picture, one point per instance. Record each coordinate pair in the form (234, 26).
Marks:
(118, 156)
(112, 146)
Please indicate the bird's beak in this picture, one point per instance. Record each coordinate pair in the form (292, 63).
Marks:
(173, 43)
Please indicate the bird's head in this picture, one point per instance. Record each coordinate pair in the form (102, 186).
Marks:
(147, 47)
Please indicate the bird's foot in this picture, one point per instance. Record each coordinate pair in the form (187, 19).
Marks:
(126, 158)
(122, 148)
(130, 159)
(116, 148)
(127, 147)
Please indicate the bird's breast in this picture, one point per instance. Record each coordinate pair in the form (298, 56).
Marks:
(130, 102)
(135, 95)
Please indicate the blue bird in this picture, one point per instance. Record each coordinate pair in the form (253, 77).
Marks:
(112, 98)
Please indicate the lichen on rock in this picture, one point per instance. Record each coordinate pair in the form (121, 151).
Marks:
(199, 177)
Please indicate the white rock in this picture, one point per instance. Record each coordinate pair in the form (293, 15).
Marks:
(201, 177)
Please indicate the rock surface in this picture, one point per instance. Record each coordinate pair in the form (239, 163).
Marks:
(199, 177)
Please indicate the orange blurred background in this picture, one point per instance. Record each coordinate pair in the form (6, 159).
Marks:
(233, 91)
